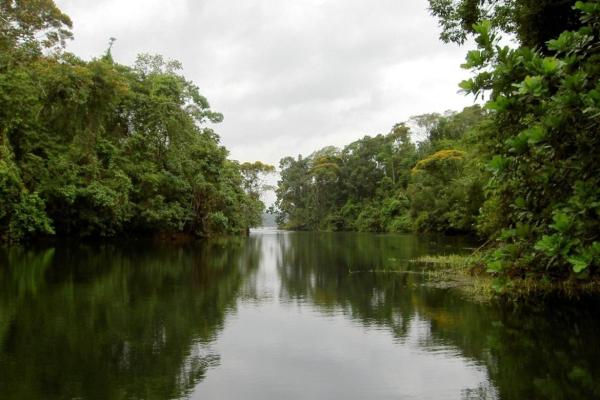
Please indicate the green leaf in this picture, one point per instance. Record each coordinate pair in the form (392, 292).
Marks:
(562, 43)
(595, 249)
(499, 104)
(498, 284)
(522, 230)
(579, 263)
(498, 163)
(535, 134)
(562, 222)
(550, 65)
(485, 38)
(475, 58)
(533, 85)
(588, 8)
(548, 244)
(520, 202)
(467, 85)
(495, 266)
(518, 144)
(483, 28)
(507, 234)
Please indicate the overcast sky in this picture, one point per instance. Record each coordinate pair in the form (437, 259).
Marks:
(290, 76)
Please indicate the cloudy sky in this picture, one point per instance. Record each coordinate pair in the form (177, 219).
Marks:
(290, 76)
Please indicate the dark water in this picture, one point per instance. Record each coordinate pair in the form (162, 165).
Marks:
(276, 316)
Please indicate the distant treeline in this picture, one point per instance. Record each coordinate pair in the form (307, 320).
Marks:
(386, 183)
(522, 172)
(94, 148)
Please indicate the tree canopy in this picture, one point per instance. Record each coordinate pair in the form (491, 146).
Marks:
(95, 148)
(32, 24)
(543, 136)
(387, 183)
(533, 22)
(521, 172)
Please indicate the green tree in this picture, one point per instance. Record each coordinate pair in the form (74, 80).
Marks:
(253, 183)
(543, 139)
(293, 193)
(32, 25)
(534, 22)
(94, 148)
(360, 187)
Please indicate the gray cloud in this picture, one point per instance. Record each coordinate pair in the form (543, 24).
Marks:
(290, 76)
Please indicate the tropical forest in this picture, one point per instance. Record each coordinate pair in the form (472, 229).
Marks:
(381, 200)
(95, 148)
(520, 170)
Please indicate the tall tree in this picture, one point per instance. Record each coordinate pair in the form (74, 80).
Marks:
(32, 24)
(94, 148)
(534, 22)
(543, 137)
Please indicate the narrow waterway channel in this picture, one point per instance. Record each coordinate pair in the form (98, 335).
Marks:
(276, 315)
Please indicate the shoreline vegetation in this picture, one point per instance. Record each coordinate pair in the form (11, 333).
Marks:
(467, 274)
(103, 150)
(520, 171)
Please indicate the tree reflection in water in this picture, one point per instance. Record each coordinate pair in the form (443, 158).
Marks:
(239, 315)
(103, 322)
(547, 350)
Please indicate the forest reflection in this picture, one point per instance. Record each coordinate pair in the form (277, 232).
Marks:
(104, 322)
(146, 320)
(543, 351)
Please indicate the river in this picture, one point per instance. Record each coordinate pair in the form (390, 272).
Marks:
(277, 315)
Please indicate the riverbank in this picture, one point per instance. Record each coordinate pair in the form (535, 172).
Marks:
(467, 274)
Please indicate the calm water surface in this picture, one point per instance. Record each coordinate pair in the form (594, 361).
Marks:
(276, 316)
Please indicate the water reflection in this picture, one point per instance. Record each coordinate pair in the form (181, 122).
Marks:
(110, 323)
(276, 315)
(549, 351)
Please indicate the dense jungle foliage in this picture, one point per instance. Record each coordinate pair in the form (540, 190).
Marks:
(522, 172)
(94, 148)
(387, 183)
